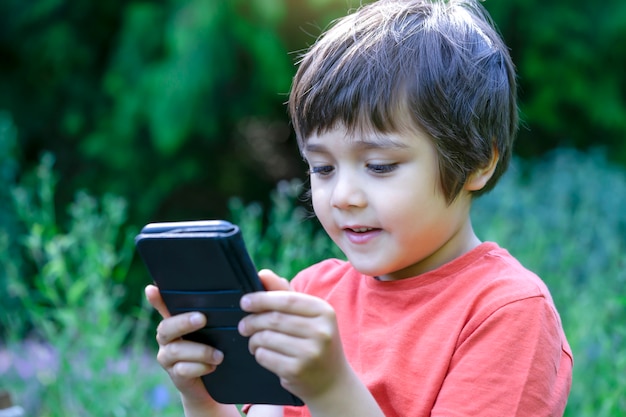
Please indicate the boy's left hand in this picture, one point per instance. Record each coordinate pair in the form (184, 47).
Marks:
(295, 336)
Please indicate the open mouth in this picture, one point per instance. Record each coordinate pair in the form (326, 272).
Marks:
(360, 229)
(361, 234)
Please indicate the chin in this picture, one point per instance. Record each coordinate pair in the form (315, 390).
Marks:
(371, 270)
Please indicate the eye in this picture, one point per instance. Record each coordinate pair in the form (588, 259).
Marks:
(322, 171)
(382, 168)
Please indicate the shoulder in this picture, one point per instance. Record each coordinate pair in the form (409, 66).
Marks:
(502, 278)
(497, 284)
(486, 281)
(509, 305)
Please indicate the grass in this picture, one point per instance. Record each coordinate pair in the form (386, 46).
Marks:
(69, 351)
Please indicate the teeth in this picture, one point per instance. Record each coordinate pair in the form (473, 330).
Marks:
(362, 229)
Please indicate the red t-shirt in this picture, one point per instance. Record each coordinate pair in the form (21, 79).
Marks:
(479, 336)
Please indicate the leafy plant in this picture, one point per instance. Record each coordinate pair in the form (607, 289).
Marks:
(149, 99)
(287, 239)
(567, 54)
(8, 177)
(83, 357)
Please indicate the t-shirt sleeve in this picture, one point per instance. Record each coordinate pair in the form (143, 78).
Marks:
(514, 363)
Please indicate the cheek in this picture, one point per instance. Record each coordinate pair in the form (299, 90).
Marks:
(320, 203)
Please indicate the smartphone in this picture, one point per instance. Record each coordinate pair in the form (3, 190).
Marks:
(204, 266)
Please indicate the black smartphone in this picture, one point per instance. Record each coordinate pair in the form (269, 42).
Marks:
(204, 266)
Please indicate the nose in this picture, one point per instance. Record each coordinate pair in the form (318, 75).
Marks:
(348, 192)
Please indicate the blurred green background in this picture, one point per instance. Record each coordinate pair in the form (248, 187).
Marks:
(117, 113)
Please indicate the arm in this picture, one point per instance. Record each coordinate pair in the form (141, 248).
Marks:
(295, 336)
(185, 361)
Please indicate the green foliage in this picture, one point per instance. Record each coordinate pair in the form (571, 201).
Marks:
(565, 218)
(570, 57)
(154, 100)
(183, 78)
(149, 99)
(288, 240)
(8, 220)
(179, 105)
(83, 356)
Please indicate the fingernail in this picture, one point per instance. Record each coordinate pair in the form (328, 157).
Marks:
(245, 302)
(218, 356)
(196, 319)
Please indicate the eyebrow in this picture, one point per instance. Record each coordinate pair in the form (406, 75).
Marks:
(377, 142)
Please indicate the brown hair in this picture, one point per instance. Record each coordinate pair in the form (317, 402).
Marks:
(442, 62)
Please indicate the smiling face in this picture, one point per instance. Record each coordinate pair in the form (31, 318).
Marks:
(379, 198)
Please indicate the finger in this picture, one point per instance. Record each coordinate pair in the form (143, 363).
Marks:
(190, 370)
(154, 298)
(272, 282)
(289, 302)
(175, 327)
(286, 367)
(281, 343)
(185, 351)
(297, 326)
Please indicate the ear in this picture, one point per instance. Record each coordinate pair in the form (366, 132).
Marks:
(481, 176)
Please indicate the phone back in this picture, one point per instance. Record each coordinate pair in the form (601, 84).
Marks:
(204, 266)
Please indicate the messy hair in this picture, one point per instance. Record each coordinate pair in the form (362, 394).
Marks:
(441, 62)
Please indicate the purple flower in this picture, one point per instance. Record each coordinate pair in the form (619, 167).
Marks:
(159, 397)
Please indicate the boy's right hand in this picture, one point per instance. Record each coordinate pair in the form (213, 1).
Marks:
(184, 361)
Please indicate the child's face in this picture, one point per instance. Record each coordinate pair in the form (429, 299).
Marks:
(378, 197)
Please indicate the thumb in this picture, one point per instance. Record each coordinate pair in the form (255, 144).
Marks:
(273, 282)
(154, 297)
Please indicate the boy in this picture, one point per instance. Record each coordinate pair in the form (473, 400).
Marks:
(404, 111)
